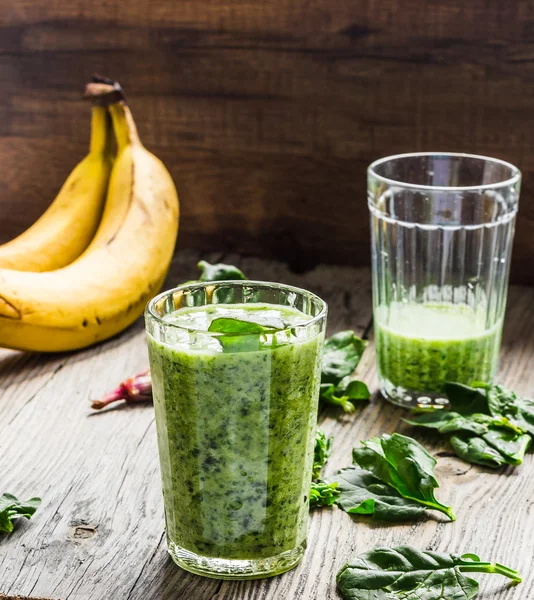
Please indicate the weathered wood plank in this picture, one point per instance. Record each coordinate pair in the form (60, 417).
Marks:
(267, 114)
(100, 531)
(101, 523)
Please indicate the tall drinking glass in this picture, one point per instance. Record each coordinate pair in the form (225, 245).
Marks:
(236, 368)
(442, 227)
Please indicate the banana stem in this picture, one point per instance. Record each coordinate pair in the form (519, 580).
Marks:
(123, 125)
(100, 131)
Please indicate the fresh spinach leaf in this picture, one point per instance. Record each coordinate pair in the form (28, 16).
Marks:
(466, 400)
(518, 410)
(345, 393)
(12, 508)
(405, 465)
(341, 354)
(406, 573)
(361, 493)
(447, 422)
(512, 446)
(474, 449)
(491, 423)
(219, 272)
(239, 335)
(323, 447)
(323, 494)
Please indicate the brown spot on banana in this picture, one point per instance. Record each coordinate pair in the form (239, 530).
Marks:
(9, 311)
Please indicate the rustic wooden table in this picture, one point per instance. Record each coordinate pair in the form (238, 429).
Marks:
(100, 531)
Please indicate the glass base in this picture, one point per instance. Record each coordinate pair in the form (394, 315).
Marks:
(411, 398)
(221, 568)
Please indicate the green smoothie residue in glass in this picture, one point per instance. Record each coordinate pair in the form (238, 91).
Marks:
(421, 346)
(236, 431)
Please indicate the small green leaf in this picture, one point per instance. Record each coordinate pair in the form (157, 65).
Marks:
(12, 508)
(474, 449)
(360, 493)
(406, 573)
(323, 494)
(239, 335)
(238, 327)
(403, 464)
(466, 400)
(341, 354)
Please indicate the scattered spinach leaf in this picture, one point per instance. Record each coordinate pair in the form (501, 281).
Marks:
(341, 354)
(466, 400)
(323, 447)
(403, 464)
(12, 508)
(361, 493)
(493, 425)
(345, 393)
(323, 494)
(406, 573)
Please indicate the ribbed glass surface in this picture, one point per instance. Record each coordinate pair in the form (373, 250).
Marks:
(442, 227)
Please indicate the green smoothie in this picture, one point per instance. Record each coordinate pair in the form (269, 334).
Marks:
(236, 425)
(421, 346)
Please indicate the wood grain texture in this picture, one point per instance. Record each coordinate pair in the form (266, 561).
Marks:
(267, 113)
(100, 531)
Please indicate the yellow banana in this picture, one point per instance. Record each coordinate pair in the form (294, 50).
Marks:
(67, 227)
(107, 287)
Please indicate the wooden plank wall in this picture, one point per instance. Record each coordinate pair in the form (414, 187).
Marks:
(267, 112)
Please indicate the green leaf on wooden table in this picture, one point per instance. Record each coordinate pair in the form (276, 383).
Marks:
(361, 493)
(405, 465)
(466, 400)
(518, 410)
(476, 450)
(219, 272)
(341, 354)
(321, 452)
(345, 393)
(323, 494)
(406, 573)
(493, 436)
(12, 508)
(447, 422)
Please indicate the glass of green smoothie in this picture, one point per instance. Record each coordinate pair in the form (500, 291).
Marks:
(236, 367)
(442, 227)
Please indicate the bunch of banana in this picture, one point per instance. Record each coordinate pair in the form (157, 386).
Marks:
(106, 287)
(67, 227)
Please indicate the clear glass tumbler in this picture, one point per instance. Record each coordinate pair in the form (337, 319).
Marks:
(236, 368)
(442, 227)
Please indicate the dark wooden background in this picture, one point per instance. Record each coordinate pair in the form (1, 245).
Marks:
(267, 112)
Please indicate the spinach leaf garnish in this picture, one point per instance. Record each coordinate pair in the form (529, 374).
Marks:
(406, 573)
(341, 354)
(240, 335)
(403, 464)
(492, 426)
(12, 508)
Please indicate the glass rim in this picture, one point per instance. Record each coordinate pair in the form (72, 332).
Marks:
(151, 313)
(513, 180)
